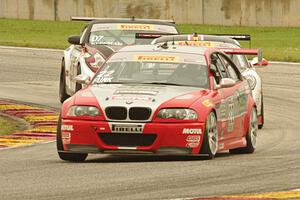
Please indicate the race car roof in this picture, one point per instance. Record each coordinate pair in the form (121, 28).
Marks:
(160, 48)
(199, 37)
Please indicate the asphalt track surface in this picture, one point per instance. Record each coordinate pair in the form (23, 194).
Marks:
(35, 172)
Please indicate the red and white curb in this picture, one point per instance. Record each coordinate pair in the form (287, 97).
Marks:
(290, 194)
(42, 123)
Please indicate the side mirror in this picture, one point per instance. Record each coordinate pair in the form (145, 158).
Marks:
(83, 79)
(74, 39)
(226, 83)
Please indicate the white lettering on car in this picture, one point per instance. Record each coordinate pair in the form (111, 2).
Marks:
(193, 138)
(67, 128)
(191, 131)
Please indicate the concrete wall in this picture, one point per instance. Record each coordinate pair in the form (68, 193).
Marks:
(223, 12)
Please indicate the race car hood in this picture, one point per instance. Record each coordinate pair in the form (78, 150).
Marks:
(144, 95)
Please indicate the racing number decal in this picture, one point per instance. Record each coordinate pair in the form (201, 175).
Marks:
(230, 115)
(96, 39)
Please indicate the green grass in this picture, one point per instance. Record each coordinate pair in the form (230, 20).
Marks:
(278, 43)
(7, 126)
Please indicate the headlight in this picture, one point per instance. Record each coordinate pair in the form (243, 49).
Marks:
(77, 111)
(252, 81)
(177, 113)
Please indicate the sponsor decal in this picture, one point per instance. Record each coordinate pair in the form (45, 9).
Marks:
(124, 128)
(104, 76)
(156, 58)
(192, 144)
(191, 131)
(193, 138)
(195, 43)
(131, 98)
(140, 92)
(67, 128)
(207, 103)
(66, 137)
(135, 27)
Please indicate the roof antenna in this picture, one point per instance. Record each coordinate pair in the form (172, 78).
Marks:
(133, 18)
(173, 42)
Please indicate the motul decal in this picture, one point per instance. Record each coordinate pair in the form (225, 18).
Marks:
(191, 131)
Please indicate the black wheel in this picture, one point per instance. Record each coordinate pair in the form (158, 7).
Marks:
(73, 157)
(209, 146)
(62, 84)
(78, 86)
(260, 126)
(250, 137)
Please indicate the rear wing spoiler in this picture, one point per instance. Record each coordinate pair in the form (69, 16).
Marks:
(239, 37)
(88, 19)
(259, 60)
(235, 36)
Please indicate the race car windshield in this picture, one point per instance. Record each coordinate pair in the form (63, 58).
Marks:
(118, 34)
(164, 73)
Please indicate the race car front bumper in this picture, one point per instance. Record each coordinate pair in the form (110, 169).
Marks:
(82, 136)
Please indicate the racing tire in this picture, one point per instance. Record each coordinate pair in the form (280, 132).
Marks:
(62, 84)
(250, 137)
(72, 157)
(260, 126)
(78, 86)
(209, 145)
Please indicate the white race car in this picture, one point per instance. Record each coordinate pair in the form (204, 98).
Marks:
(240, 59)
(98, 40)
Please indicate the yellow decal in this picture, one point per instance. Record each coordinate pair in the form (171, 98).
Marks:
(156, 58)
(135, 27)
(195, 38)
(195, 43)
(207, 103)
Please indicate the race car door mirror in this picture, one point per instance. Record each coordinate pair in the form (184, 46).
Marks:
(74, 39)
(83, 79)
(226, 83)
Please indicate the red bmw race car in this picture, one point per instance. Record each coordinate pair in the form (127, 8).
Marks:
(160, 99)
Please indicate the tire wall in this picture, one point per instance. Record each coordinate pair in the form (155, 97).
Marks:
(220, 12)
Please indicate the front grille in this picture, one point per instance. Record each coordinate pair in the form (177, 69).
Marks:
(135, 113)
(117, 113)
(139, 113)
(127, 139)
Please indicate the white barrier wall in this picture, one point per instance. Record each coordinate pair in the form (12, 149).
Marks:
(222, 12)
